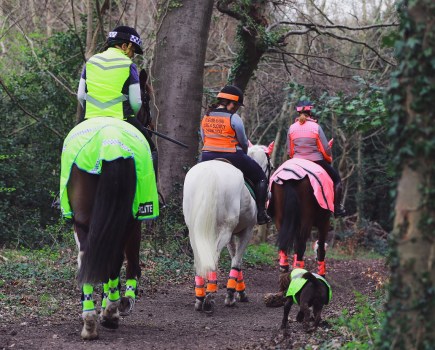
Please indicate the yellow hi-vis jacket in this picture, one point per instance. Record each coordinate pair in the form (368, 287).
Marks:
(106, 74)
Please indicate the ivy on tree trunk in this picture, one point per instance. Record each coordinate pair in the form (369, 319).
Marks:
(411, 305)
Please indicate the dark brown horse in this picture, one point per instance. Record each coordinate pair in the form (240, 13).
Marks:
(295, 211)
(106, 231)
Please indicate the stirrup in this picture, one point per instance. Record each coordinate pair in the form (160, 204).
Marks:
(340, 212)
(263, 218)
(162, 202)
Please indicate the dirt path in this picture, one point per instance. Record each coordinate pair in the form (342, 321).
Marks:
(168, 320)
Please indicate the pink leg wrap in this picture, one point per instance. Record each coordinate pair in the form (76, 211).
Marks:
(240, 283)
(199, 287)
(234, 274)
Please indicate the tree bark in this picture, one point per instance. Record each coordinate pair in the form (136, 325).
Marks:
(177, 79)
(252, 42)
(411, 304)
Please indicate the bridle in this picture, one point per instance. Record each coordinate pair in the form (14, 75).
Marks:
(269, 167)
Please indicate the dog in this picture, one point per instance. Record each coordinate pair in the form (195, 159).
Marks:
(307, 290)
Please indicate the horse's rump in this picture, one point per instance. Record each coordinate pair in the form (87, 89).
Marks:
(321, 183)
(106, 139)
(212, 200)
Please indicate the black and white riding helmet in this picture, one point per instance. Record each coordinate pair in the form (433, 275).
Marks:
(126, 34)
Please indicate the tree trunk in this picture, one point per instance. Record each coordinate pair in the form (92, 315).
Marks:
(411, 304)
(360, 180)
(251, 39)
(177, 78)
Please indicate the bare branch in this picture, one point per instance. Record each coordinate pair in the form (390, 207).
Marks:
(82, 49)
(321, 12)
(336, 36)
(316, 71)
(282, 52)
(325, 26)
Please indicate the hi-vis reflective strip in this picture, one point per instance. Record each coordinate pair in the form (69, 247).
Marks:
(228, 96)
(95, 62)
(104, 105)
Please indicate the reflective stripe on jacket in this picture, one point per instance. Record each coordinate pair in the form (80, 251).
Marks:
(219, 136)
(106, 74)
(307, 141)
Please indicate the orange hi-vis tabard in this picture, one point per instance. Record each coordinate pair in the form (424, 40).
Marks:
(219, 136)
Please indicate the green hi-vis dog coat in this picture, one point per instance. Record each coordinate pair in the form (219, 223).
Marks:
(105, 138)
(297, 282)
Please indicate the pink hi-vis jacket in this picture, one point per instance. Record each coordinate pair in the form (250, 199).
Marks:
(308, 141)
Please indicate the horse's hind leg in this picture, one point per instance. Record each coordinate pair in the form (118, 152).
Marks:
(321, 248)
(209, 303)
(89, 315)
(132, 270)
(81, 193)
(321, 252)
(110, 315)
(236, 248)
(241, 289)
(199, 292)
(301, 242)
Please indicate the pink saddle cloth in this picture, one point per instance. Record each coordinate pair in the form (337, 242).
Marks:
(297, 169)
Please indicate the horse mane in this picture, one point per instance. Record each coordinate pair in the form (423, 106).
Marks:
(144, 114)
(258, 153)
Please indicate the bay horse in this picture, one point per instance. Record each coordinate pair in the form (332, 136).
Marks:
(106, 173)
(297, 186)
(220, 211)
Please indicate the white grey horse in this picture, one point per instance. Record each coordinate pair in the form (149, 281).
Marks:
(220, 211)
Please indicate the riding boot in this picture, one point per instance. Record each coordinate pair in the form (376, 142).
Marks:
(339, 210)
(261, 197)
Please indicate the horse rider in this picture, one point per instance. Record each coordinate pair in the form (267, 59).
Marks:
(109, 84)
(223, 135)
(307, 140)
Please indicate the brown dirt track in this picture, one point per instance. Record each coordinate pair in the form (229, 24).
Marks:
(167, 320)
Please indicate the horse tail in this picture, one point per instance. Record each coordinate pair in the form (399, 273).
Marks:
(291, 222)
(110, 217)
(200, 203)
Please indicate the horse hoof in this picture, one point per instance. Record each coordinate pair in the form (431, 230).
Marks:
(242, 297)
(230, 301)
(199, 304)
(90, 331)
(208, 305)
(110, 316)
(126, 306)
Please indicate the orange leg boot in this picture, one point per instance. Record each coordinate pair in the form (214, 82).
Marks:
(298, 264)
(199, 292)
(230, 299)
(208, 306)
(321, 268)
(283, 261)
(240, 288)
